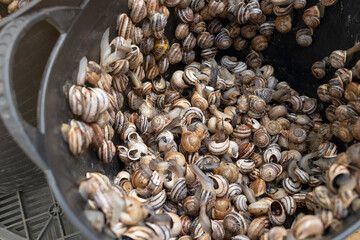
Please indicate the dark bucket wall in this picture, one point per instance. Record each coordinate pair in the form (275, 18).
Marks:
(292, 64)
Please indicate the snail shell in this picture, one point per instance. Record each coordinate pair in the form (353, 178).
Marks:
(299, 4)
(147, 45)
(171, 3)
(189, 42)
(277, 215)
(235, 223)
(261, 138)
(77, 140)
(233, 191)
(197, 25)
(246, 150)
(222, 207)
(257, 227)
(218, 231)
(205, 40)
(249, 31)
(191, 206)
(223, 40)
(218, 148)
(242, 131)
(283, 23)
(161, 47)
(289, 204)
(307, 226)
(258, 208)
(272, 155)
(188, 57)
(126, 28)
(311, 17)
(240, 43)
(260, 42)
(318, 69)
(175, 53)
(186, 15)
(107, 151)
(297, 135)
(215, 26)
(182, 30)
(290, 186)
(338, 58)
(328, 3)
(158, 22)
(240, 203)
(337, 174)
(267, 28)
(304, 37)
(322, 197)
(197, 5)
(323, 93)
(242, 15)
(269, 171)
(179, 190)
(138, 10)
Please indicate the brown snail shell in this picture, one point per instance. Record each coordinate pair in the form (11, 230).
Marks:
(249, 31)
(318, 69)
(283, 23)
(182, 30)
(186, 15)
(311, 17)
(269, 171)
(161, 47)
(223, 40)
(205, 40)
(338, 58)
(307, 226)
(126, 28)
(299, 4)
(240, 43)
(189, 42)
(277, 215)
(138, 10)
(260, 42)
(328, 3)
(175, 53)
(158, 22)
(188, 57)
(267, 28)
(304, 37)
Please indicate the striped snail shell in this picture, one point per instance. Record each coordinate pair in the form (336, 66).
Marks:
(290, 186)
(182, 30)
(338, 58)
(189, 42)
(147, 45)
(207, 53)
(304, 37)
(152, 7)
(126, 28)
(215, 26)
(260, 42)
(323, 93)
(242, 15)
(197, 5)
(107, 151)
(186, 15)
(223, 40)
(289, 204)
(318, 69)
(345, 75)
(261, 138)
(311, 17)
(171, 3)
(235, 223)
(277, 215)
(216, 7)
(161, 47)
(138, 10)
(188, 57)
(269, 171)
(158, 22)
(163, 64)
(267, 28)
(240, 43)
(77, 141)
(205, 40)
(179, 190)
(175, 53)
(197, 25)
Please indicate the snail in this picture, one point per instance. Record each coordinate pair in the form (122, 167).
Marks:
(339, 58)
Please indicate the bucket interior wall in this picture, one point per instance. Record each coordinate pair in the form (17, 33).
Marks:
(338, 30)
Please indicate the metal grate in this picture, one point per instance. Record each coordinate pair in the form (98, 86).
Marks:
(34, 214)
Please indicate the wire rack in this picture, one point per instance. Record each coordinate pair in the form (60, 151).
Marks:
(34, 214)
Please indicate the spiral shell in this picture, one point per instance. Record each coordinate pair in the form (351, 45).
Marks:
(161, 47)
(338, 58)
(205, 40)
(304, 37)
(138, 10)
(269, 171)
(283, 23)
(223, 40)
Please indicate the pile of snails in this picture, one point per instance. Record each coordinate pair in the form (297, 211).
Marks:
(218, 150)
(14, 5)
(343, 95)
